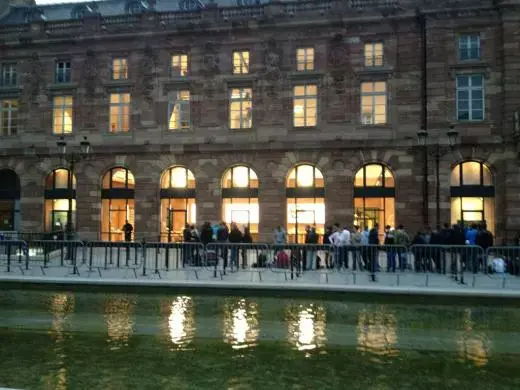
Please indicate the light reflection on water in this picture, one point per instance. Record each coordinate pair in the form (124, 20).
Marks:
(241, 323)
(306, 325)
(377, 332)
(181, 322)
(119, 320)
(62, 307)
(473, 346)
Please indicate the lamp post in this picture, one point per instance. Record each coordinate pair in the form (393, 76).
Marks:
(435, 151)
(71, 159)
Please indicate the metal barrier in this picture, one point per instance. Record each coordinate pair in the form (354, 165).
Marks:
(162, 256)
(106, 255)
(14, 253)
(57, 253)
(502, 262)
(244, 257)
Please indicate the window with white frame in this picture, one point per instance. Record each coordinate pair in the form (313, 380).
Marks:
(241, 62)
(373, 103)
(470, 97)
(305, 59)
(119, 69)
(9, 75)
(119, 112)
(62, 72)
(469, 47)
(240, 108)
(374, 54)
(179, 110)
(62, 111)
(8, 117)
(305, 105)
(179, 65)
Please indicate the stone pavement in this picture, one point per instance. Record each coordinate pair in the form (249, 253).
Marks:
(407, 282)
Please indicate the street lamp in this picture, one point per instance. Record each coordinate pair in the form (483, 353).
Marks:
(436, 152)
(72, 159)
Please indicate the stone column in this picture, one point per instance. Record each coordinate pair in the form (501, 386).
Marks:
(31, 201)
(147, 203)
(209, 203)
(273, 206)
(339, 195)
(88, 202)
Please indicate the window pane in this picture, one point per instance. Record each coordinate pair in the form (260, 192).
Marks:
(462, 81)
(374, 175)
(240, 177)
(389, 179)
(472, 204)
(358, 180)
(487, 176)
(471, 173)
(305, 176)
(455, 176)
(380, 86)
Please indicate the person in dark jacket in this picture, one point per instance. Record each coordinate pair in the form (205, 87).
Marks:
(373, 239)
(418, 251)
(326, 241)
(435, 250)
(235, 237)
(186, 249)
(222, 237)
(206, 234)
(246, 239)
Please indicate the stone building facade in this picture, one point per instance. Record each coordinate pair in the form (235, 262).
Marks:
(412, 48)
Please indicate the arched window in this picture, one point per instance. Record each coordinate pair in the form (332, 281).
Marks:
(472, 194)
(374, 197)
(60, 200)
(305, 201)
(240, 198)
(117, 203)
(9, 200)
(177, 202)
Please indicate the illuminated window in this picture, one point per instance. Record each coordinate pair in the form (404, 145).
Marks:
(241, 108)
(179, 110)
(305, 103)
(241, 62)
(374, 197)
(60, 202)
(373, 54)
(240, 198)
(117, 203)
(62, 73)
(373, 103)
(177, 203)
(62, 110)
(470, 97)
(9, 75)
(119, 69)
(305, 193)
(469, 47)
(305, 59)
(472, 194)
(179, 65)
(119, 112)
(8, 117)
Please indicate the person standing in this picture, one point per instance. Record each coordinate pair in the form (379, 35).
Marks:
(355, 240)
(235, 237)
(402, 239)
(186, 248)
(127, 230)
(311, 238)
(373, 241)
(280, 237)
(326, 241)
(390, 250)
(246, 239)
(222, 238)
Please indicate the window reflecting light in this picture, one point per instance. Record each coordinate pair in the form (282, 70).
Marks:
(241, 325)
(377, 332)
(473, 346)
(119, 321)
(306, 327)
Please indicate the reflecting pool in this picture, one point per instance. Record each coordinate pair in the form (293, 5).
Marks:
(65, 340)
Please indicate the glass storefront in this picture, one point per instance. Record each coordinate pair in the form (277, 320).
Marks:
(240, 199)
(305, 202)
(374, 197)
(117, 203)
(60, 202)
(178, 206)
(472, 195)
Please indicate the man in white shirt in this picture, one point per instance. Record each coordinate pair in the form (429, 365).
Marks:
(498, 265)
(341, 240)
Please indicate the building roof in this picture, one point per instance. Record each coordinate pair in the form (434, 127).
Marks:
(106, 8)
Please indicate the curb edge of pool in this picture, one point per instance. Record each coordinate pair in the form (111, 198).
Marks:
(15, 282)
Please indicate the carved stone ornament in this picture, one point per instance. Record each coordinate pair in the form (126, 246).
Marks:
(146, 74)
(211, 60)
(90, 74)
(272, 60)
(338, 53)
(34, 79)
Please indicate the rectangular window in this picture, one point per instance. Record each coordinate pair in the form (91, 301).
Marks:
(62, 114)
(62, 72)
(179, 65)
(240, 108)
(469, 47)
(374, 54)
(8, 117)
(179, 111)
(119, 69)
(470, 97)
(119, 112)
(373, 103)
(9, 76)
(305, 105)
(305, 59)
(240, 62)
